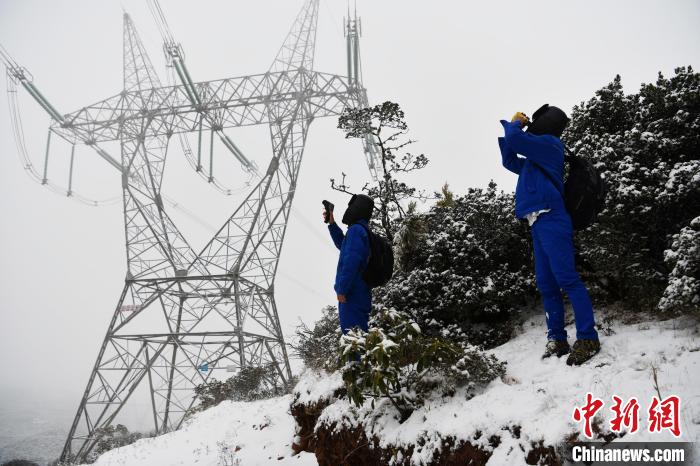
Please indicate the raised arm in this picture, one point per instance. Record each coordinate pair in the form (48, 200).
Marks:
(336, 234)
(545, 151)
(510, 159)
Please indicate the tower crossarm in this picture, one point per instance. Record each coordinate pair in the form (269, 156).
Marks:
(233, 102)
(185, 317)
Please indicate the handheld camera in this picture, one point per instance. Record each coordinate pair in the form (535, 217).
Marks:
(329, 210)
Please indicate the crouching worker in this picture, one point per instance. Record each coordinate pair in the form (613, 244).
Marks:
(539, 200)
(354, 297)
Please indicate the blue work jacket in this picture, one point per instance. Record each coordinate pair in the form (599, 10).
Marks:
(534, 191)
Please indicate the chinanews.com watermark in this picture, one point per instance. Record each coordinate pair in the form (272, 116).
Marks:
(618, 453)
(660, 415)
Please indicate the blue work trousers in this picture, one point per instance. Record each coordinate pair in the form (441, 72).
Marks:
(353, 314)
(555, 270)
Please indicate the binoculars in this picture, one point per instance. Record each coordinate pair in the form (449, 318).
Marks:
(522, 118)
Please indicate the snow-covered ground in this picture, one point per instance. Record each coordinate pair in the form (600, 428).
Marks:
(230, 434)
(539, 395)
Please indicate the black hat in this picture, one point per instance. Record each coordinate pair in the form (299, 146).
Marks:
(548, 120)
(360, 207)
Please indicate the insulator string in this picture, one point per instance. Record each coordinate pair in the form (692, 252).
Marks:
(195, 162)
(20, 142)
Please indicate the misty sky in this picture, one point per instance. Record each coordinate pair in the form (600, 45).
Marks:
(456, 68)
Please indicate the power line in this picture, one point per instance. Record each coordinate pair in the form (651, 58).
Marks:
(181, 309)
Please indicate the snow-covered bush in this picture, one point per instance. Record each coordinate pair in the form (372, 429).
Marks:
(466, 267)
(395, 360)
(112, 437)
(249, 384)
(318, 346)
(647, 146)
(682, 295)
(255, 383)
(408, 238)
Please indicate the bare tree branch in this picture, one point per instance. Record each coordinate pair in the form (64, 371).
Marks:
(390, 193)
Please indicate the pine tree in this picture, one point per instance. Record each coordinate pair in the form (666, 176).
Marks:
(682, 294)
(647, 146)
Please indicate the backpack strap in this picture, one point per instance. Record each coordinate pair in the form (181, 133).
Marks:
(369, 238)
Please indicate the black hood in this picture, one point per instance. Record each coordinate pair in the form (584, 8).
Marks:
(548, 120)
(360, 207)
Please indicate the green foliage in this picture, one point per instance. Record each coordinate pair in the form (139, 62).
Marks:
(212, 393)
(682, 293)
(408, 239)
(647, 146)
(467, 268)
(250, 384)
(318, 346)
(396, 361)
(255, 383)
(446, 198)
(112, 437)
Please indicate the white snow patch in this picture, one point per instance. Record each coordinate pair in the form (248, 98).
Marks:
(316, 386)
(230, 434)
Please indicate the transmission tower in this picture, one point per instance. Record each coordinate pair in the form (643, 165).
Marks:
(212, 311)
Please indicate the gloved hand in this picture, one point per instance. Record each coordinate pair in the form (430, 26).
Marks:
(522, 118)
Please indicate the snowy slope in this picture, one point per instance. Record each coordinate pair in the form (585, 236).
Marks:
(230, 434)
(535, 394)
(540, 395)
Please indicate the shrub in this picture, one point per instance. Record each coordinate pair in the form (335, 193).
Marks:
(318, 346)
(396, 361)
(250, 384)
(408, 239)
(647, 146)
(465, 266)
(682, 294)
(254, 383)
(112, 437)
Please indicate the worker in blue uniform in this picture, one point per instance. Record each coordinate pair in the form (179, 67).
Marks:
(354, 296)
(539, 200)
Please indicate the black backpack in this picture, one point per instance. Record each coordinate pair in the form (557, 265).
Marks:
(584, 191)
(380, 267)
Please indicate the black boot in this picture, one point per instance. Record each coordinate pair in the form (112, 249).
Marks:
(583, 351)
(556, 348)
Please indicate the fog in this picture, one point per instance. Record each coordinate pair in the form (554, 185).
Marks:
(455, 67)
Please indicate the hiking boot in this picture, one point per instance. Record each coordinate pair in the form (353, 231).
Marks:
(556, 348)
(582, 351)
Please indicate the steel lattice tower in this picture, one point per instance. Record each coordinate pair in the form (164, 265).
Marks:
(215, 307)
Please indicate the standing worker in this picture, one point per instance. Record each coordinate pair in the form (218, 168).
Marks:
(539, 200)
(354, 296)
